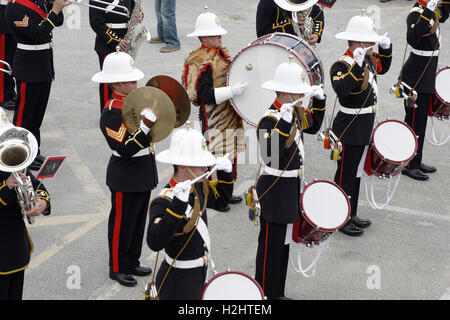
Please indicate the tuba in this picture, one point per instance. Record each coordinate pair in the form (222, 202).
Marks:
(304, 30)
(136, 40)
(300, 8)
(18, 148)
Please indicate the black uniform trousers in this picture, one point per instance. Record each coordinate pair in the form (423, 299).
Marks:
(190, 280)
(346, 173)
(31, 104)
(272, 258)
(11, 286)
(417, 119)
(126, 228)
(105, 92)
(7, 50)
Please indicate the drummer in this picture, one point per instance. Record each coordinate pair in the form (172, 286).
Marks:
(178, 219)
(204, 77)
(276, 16)
(353, 78)
(131, 172)
(278, 187)
(419, 72)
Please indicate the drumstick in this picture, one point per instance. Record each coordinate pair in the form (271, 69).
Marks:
(215, 167)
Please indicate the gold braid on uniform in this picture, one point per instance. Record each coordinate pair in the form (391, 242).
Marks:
(300, 114)
(196, 212)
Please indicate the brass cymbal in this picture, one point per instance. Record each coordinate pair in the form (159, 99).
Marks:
(155, 100)
(177, 94)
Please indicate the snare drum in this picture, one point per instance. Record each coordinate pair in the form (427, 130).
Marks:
(440, 104)
(232, 285)
(325, 208)
(256, 64)
(393, 145)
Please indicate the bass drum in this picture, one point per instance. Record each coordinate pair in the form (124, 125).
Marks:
(256, 64)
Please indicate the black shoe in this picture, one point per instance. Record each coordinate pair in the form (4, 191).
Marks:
(416, 174)
(123, 279)
(223, 209)
(35, 166)
(9, 105)
(351, 230)
(40, 158)
(141, 271)
(235, 199)
(427, 169)
(361, 223)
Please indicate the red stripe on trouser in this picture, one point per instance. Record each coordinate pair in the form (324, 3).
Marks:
(2, 74)
(412, 127)
(116, 232)
(342, 165)
(23, 93)
(265, 256)
(105, 93)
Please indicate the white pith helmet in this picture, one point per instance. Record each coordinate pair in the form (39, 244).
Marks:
(295, 5)
(359, 28)
(187, 148)
(118, 67)
(288, 77)
(207, 24)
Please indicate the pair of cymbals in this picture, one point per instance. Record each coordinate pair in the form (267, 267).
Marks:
(166, 98)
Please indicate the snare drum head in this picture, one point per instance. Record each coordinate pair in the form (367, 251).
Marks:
(325, 205)
(443, 85)
(394, 141)
(256, 64)
(232, 285)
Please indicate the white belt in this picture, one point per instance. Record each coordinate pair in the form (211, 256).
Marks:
(35, 47)
(425, 53)
(285, 174)
(117, 25)
(371, 109)
(187, 264)
(140, 153)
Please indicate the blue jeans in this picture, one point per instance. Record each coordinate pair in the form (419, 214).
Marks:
(166, 26)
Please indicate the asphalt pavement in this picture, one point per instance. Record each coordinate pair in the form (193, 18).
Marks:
(404, 254)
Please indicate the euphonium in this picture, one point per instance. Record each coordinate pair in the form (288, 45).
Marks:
(18, 149)
(136, 40)
(305, 30)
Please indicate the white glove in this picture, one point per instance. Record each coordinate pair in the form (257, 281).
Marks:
(226, 93)
(286, 112)
(432, 4)
(182, 190)
(149, 115)
(224, 164)
(385, 42)
(358, 56)
(317, 92)
(238, 88)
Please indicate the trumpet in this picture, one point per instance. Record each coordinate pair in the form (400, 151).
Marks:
(110, 7)
(8, 69)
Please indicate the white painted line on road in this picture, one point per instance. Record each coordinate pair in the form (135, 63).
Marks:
(423, 214)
